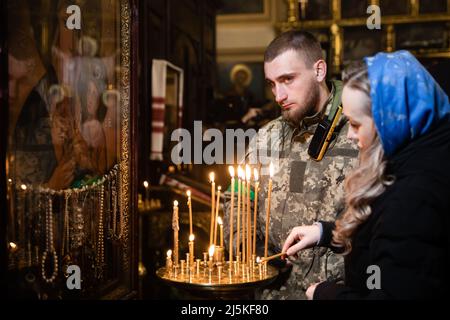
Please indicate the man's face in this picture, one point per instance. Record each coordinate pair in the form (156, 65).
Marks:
(294, 85)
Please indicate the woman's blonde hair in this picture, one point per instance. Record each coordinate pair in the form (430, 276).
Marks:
(367, 181)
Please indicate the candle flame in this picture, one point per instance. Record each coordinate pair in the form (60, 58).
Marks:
(231, 170)
(240, 172)
(258, 259)
(12, 245)
(191, 237)
(175, 203)
(188, 193)
(271, 169)
(211, 177)
(248, 172)
(255, 174)
(146, 184)
(9, 180)
(24, 187)
(219, 188)
(169, 253)
(211, 250)
(219, 220)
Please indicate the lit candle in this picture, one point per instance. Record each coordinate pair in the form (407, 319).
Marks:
(255, 212)
(269, 194)
(248, 175)
(213, 191)
(147, 196)
(169, 261)
(189, 203)
(219, 221)
(238, 227)
(231, 169)
(217, 214)
(258, 261)
(191, 249)
(211, 254)
(175, 227)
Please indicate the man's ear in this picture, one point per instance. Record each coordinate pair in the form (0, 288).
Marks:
(320, 69)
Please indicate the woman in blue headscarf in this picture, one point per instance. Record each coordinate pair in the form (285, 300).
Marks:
(395, 231)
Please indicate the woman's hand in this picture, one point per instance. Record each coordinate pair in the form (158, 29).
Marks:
(300, 238)
(311, 290)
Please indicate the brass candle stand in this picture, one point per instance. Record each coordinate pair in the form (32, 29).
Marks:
(215, 275)
(218, 277)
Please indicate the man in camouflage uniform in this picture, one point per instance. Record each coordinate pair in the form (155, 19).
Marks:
(304, 190)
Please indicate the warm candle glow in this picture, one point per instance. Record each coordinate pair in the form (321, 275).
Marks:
(145, 184)
(211, 177)
(240, 172)
(211, 251)
(188, 193)
(169, 253)
(24, 187)
(231, 170)
(175, 203)
(219, 221)
(258, 259)
(255, 174)
(271, 169)
(191, 250)
(248, 172)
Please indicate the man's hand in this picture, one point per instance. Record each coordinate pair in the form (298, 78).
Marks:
(311, 290)
(300, 238)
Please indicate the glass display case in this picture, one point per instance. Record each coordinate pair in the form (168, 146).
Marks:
(68, 158)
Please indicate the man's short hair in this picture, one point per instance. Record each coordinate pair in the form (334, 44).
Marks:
(303, 42)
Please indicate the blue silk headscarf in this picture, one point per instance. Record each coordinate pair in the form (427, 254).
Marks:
(406, 101)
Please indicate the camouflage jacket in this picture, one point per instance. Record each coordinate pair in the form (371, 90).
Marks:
(304, 191)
